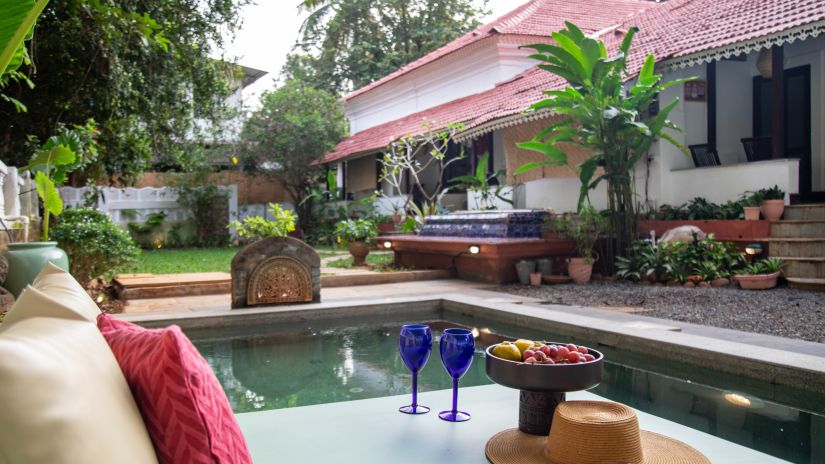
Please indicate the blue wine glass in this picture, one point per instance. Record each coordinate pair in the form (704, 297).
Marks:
(457, 349)
(415, 345)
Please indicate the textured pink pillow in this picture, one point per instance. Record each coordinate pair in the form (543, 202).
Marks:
(185, 410)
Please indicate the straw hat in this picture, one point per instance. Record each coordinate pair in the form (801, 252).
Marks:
(591, 432)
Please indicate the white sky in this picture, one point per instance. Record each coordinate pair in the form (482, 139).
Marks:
(270, 28)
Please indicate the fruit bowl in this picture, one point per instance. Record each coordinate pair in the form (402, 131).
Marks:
(542, 386)
(545, 377)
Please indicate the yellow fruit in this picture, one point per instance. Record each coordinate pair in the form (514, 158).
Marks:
(507, 350)
(523, 344)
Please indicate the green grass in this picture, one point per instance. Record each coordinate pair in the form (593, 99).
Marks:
(375, 259)
(179, 261)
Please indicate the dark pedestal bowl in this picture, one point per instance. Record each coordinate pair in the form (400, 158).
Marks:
(542, 386)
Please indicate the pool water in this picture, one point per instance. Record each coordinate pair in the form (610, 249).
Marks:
(282, 368)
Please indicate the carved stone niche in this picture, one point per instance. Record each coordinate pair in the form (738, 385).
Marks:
(274, 271)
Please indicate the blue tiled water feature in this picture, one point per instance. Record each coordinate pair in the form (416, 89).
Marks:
(487, 224)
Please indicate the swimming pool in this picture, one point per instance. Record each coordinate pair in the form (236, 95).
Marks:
(292, 365)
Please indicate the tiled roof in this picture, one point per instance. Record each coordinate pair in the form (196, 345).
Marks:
(536, 18)
(510, 97)
(680, 28)
(670, 30)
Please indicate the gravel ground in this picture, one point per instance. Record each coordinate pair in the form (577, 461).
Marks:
(781, 311)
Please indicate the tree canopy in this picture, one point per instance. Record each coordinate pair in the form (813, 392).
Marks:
(346, 44)
(295, 126)
(142, 70)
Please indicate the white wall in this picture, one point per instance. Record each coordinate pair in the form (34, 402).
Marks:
(143, 201)
(476, 68)
(720, 184)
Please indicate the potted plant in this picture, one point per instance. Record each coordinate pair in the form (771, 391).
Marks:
(761, 274)
(752, 205)
(773, 203)
(585, 229)
(71, 149)
(356, 235)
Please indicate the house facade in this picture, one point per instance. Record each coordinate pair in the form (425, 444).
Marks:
(754, 117)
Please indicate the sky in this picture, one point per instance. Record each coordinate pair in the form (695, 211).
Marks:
(270, 28)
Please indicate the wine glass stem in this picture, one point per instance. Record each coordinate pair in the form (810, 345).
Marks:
(415, 390)
(455, 395)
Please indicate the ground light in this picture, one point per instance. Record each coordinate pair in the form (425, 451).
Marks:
(754, 249)
(388, 244)
(474, 249)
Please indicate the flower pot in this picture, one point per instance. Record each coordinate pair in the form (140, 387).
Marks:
(385, 228)
(396, 219)
(524, 269)
(545, 266)
(758, 281)
(26, 260)
(579, 270)
(535, 279)
(752, 213)
(772, 209)
(359, 252)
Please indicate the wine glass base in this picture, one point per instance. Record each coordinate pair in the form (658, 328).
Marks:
(458, 416)
(417, 409)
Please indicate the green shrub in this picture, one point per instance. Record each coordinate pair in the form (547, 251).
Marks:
(256, 227)
(355, 230)
(585, 229)
(96, 246)
(764, 266)
(708, 258)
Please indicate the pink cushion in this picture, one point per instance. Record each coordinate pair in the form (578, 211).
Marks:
(186, 411)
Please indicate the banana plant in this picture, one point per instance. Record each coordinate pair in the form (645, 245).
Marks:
(17, 18)
(51, 165)
(482, 183)
(599, 112)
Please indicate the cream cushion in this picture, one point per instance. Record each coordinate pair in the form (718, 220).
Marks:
(63, 397)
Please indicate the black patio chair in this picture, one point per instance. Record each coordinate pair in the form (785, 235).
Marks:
(757, 148)
(704, 156)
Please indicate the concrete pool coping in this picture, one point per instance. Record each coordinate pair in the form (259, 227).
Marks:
(373, 431)
(755, 359)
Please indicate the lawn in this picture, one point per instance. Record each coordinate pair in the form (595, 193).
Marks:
(177, 261)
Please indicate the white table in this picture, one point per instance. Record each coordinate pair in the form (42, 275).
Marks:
(373, 431)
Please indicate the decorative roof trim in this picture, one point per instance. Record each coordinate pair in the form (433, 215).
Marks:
(786, 36)
(501, 123)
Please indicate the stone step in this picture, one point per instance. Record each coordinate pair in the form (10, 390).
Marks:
(809, 212)
(798, 228)
(796, 247)
(813, 285)
(812, 268)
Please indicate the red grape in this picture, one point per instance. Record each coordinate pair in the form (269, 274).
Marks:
(582, 349)
(589, 357)
(528, 354)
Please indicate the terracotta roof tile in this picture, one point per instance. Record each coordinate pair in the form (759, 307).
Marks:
(670, 30)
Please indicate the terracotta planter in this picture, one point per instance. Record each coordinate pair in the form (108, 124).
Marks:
(396, 219)
(752, 213)
(535, 279)
(359, 252)
(579, 270)
(385, 228)
(758, 281)
(772, 209)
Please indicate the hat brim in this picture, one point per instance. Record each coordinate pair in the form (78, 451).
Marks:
(513, 446)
